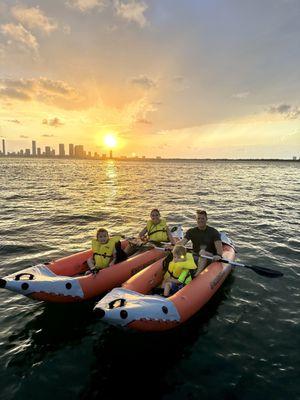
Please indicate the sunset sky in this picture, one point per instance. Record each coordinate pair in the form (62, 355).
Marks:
(170, 78)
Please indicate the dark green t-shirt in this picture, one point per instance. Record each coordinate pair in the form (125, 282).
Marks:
(203, 239)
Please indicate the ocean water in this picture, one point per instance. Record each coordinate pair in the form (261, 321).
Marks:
(244, 344)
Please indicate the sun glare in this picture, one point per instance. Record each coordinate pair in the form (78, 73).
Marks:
(110, 140)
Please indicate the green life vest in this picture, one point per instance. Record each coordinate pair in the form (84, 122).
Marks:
(181, 270)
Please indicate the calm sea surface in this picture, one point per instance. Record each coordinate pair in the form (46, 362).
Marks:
(243, 345)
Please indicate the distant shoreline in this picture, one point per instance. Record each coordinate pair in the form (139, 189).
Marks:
(153, 159)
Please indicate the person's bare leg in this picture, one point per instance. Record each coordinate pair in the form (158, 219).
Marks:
(167, 288)
(202, 262)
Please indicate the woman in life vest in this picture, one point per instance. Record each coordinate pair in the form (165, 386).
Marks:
(179, 271)
(106, 251)
(156, 229)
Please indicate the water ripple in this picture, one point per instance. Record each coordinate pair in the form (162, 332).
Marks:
(242, 345)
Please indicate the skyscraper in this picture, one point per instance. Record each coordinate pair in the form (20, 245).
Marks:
(3, 147)
(110, 154)
(79, 151)
(47, 151)
(34, 148)
(71, 150)
(61, 150)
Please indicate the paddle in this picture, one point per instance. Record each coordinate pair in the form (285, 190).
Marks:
(270, 273)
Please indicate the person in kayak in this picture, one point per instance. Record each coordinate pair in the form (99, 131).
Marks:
(179, 269)
(156, 229)
(106, 251)
(205, 239)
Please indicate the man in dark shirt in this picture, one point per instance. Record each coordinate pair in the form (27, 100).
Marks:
(206, 241)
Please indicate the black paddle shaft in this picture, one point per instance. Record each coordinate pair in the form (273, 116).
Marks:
(270, 273)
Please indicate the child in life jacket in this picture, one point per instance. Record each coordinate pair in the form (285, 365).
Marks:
(106, 251)
(179, 271)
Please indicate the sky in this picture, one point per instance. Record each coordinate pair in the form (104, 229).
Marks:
(168, 78)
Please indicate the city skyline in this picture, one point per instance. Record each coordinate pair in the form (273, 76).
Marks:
(78, 152)
(74, 151)
(171, 79)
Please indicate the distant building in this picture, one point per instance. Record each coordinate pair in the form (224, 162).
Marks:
(110, 154)
(294, 158)
(47, 151)
(53, 153)
(103, 156)
(34, 148)
(61, 151)
(39, 152)
(79, 151)
(3, 147)
(71, 150)
(27, 152)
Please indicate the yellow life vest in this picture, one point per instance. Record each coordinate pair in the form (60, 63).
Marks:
(103, 253)
(181, 270)
(158, 232)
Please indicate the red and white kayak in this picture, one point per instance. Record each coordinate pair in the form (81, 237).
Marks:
(60, 281)
(131, 306)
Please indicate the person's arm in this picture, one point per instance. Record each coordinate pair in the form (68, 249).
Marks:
(186, 239)
(90, 263)
(114, 256)
(219, 248)
(183, 241)
(143, 233)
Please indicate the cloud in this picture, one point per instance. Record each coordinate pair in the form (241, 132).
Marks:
(86, 5)
(132, 11)
(14, 121)
(46, 135)
(143, 121)
(287, 110)
(20, 35)
(24, 137)
(26, 85)
(58, 87)
(56, 122)
(33, 18)
(48, 91)
(241, 95)
(13, 93)
(143, 82)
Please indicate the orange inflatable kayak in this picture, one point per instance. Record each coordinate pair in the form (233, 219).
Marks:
(63, 280)
(133, 307)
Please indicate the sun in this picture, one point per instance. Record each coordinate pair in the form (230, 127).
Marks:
(110, 140)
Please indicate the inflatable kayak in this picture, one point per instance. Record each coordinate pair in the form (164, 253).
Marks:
(133, 307)
(64, 280)
(60, 281)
